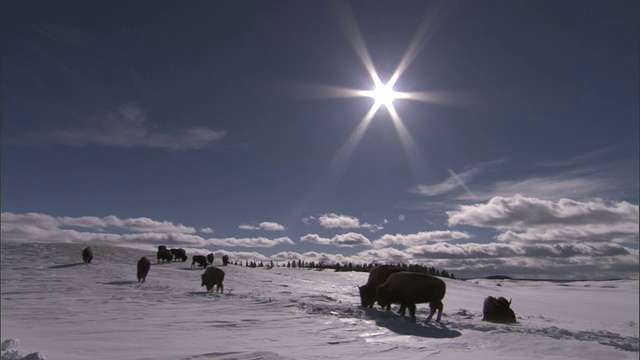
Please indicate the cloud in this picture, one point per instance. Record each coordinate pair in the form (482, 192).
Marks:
(45, 228)
(454, 182)
(471, 251)
(128, 127)
(207, 230)
(343, 240)
(574, 185)
(47, 222)
(335, 221)
(383, 256)
(249, 242)
(329, 259)
(419, 238)
(267, 225)
(557, 261)
(526, 218)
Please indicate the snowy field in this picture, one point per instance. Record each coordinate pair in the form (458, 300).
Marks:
(55, 306)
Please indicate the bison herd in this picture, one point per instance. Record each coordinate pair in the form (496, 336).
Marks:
(211, 277)
(396, 285)
(386, 285)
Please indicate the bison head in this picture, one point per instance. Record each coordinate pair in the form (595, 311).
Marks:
(367, 295)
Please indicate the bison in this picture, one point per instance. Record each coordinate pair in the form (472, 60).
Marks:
(87, 255)
(162, 247)
(200, 259)
(210, 258)
(164, 255)
(498, 310)
(408, 289)
(225, 260)
(377, 276)
(213, 276)
(143, 269)
(179, 254)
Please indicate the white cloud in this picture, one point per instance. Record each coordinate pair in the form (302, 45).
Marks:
(336, 221)
(266, 225)
(332, 221)
(343, 240)
(141, 224)
(526, 218)
(207, 230)
(249, 242)
(127, 126)
(423, 237)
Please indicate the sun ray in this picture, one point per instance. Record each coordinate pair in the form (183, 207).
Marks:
(416, 160)
(432, 20)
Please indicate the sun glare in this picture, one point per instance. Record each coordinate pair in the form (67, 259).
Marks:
(384, 95)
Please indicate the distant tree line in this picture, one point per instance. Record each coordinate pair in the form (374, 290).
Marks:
(348, 267)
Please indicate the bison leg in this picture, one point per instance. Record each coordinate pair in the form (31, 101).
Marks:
(403, 310)
(412, 312)
(433, 307)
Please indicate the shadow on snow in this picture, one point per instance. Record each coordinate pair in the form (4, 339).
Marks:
(64, 266)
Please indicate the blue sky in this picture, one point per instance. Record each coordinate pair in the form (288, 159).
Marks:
(244, 127)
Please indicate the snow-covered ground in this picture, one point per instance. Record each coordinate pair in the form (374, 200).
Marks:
(61, 309)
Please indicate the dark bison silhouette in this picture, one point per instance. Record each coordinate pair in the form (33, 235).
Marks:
(179, 254)
(213, 276)
(498, 310)
(410, 288)
(143, 269)
(377, 276)
(87, 255)
(201, 260)
(210, 258)
(164, 255)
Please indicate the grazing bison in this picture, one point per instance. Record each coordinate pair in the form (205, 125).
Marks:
(213, 276)
(377, 276)
(143, 269)
(210, 258)
(408, 289)
(179, 254)
(87, 255)
(200, 259)
(498, 310)
(164, 255)
(225, 260)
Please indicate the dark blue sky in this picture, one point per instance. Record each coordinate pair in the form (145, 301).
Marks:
(214, 116)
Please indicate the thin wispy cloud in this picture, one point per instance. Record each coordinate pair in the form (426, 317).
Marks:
(454, 182)
(544, 187)
(127, 126)
(66, 35)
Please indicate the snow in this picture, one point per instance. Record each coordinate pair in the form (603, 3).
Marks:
(59, 308)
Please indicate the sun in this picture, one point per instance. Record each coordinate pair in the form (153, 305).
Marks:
(383, 94)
